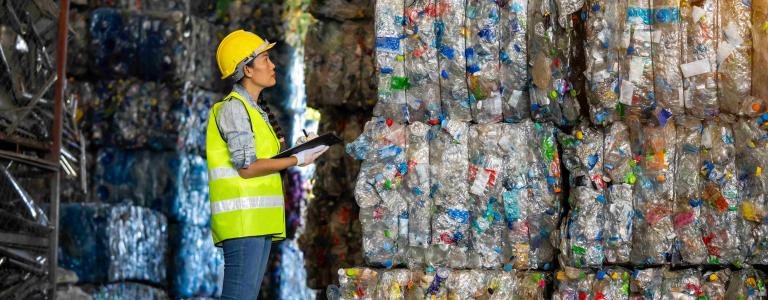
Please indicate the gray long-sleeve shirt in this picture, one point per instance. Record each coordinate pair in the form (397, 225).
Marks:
(235, 127)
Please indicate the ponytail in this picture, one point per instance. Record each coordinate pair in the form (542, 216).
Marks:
(272, 119)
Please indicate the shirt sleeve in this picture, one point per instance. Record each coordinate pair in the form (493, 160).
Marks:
(235, 127)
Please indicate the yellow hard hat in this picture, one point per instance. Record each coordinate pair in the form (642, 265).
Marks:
(236, 47)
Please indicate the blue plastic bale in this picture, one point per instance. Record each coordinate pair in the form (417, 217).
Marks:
(188, 202)
(159, 46)
(83, 242)
(135, 114)
(105, 243)
(174, 183)
(197, 264)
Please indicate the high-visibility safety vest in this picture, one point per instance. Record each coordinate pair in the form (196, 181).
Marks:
(243, 207)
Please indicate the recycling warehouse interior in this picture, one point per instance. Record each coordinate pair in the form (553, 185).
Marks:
(493, 149)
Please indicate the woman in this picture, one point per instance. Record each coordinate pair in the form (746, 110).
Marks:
(245, 186)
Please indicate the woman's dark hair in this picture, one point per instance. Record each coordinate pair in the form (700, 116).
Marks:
(272, 118)
(264, 106)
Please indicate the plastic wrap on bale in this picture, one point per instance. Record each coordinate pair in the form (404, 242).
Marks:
(102, 242)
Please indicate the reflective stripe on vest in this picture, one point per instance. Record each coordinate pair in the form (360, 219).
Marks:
(221, 173)
(246, 203)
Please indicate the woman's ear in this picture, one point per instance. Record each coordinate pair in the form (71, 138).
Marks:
(247, 71)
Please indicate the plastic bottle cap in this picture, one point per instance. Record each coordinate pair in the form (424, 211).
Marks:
(579, 135)
(756, 107)
(615, 275)
(713, 277)
(560, 276)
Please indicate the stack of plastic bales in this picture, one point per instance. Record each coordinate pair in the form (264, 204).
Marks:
(445, 188)
(146, 125)
(665, 172)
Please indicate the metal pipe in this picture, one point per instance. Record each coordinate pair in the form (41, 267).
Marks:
(61, 71)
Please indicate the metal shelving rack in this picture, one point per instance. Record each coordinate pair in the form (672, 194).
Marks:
(29, 245)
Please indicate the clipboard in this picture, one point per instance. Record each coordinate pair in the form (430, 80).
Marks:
(328, 139)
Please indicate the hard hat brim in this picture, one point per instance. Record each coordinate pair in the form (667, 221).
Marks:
(256, 54)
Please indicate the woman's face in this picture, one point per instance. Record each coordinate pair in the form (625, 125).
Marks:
(261, 72)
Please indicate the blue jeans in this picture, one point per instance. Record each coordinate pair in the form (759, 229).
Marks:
(245, 261)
